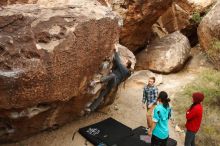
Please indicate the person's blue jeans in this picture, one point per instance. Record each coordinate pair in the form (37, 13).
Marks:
(190, 138)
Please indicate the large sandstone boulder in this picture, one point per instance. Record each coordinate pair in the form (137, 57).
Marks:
(138, 16)
(50, 3)
(183, 14)
(47, 3)
(165, 55)
(48, 57)
(209, 35)
(10, 2)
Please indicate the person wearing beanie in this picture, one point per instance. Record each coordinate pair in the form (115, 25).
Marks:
(161, 115)
(193, 118)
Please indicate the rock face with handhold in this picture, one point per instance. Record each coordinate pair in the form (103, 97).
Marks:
(165, 55)
(126, 55)
(209, 36)
(48, 58)
(138, 16)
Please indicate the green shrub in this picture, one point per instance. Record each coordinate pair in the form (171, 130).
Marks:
(208, 82)
(196, 18)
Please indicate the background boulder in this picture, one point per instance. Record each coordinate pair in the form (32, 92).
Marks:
(165, 55)
(138, 17)
(209, 35)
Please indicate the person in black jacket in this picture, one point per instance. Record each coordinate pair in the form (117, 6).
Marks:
(119, 73)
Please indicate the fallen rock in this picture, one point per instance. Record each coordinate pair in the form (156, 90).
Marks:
(209, 36)
(165, 55)
(48, 58)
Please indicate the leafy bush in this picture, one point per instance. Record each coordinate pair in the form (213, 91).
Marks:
(208, 82)
(196, 18)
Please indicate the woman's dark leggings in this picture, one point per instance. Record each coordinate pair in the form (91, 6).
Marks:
(190, 138)
(155, 141)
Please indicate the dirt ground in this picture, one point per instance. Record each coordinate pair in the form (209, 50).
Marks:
(126, 109)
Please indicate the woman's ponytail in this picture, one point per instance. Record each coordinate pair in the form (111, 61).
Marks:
(163, 96)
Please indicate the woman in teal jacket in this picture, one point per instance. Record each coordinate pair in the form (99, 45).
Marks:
(161, 115)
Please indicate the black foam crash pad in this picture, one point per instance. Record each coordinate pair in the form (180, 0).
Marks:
(108, 131)
(113, 133)
(134, 140)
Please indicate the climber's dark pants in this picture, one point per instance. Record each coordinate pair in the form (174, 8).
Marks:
(155, 141)
(112, 82)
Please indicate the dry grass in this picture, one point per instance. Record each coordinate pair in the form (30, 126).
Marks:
(209, 83)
